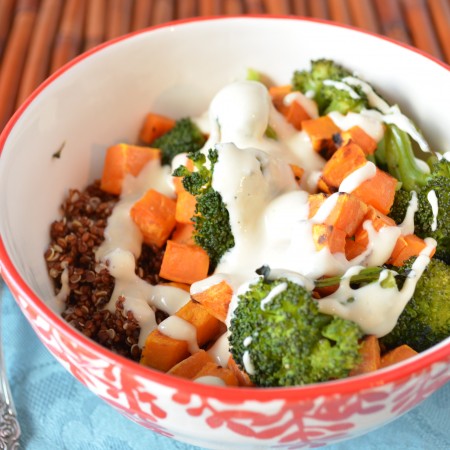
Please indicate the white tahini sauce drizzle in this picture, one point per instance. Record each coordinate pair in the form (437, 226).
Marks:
(220, 350)
(248, 364)
(366, 120)
(178, 328)
(272, 294)
(357, 177)
(343, 87)
(433, 200)
(210, 380)
(373, 308)
(391, 114)
(407, 226)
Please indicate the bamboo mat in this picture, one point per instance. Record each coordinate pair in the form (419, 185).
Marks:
(39, 36)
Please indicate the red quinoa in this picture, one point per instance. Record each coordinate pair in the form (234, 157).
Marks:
(74, 241)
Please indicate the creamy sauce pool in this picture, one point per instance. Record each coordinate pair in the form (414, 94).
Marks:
(269, 218)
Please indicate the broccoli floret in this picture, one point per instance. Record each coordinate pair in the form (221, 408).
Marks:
(278, 335)
(328, 96)
(212, 229)
(401, 163)
(400, 206)
(425, 321)
(426, 224)
(184, 137)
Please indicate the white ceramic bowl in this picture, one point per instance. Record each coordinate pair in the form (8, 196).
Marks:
(100, 98)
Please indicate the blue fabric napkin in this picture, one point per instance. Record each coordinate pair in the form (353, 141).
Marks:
(58, 412)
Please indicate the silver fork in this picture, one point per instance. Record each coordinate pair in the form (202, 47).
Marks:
(9, 425)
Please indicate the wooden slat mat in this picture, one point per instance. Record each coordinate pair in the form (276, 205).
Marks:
(38, 36)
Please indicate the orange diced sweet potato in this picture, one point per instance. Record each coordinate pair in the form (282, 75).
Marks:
(321, 131)
(378, 191)
(328, 236)
(162, 352)
(216, 299)
(347, 214)
(241, 376)
(184, 233)
(315, 202)
(277, 94)
(192, 365)
(345, 160)
(397, 354)
(185, 209)
(184, 263)
(353, 248)
(406, 247)
(295, 114)
(370, 354)
(324, 188)
(213, 370)
(178, 181)
(378, 220)
(356, 134)
(207, 326)
(154, 214)
(155, 125)
(123, 159)
(298, 172)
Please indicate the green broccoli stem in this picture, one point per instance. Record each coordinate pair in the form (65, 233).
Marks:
(400, 160)
(367, 275)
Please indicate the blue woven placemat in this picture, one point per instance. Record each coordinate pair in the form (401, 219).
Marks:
(57, 412)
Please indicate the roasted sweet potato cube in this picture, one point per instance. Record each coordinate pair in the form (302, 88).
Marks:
(216, 299)
(315, 202)
(277, 94)
(370, 356)
(321, 131)
(154, 214)
(207, 326)
(155, 125)
(184, 263)
(328, 236)
(242, 377)
(345, 160)
(185, 209)
(213, 370)
(192, 365)
(162, 352)
(353, 248)
(406, 247)
(356, 134)
(396, 355)
(378, 220)
(178, 181)
(295, 114)
(347, 214)
(123, 159)
(298, 172)
(378, 191)
(184, 233)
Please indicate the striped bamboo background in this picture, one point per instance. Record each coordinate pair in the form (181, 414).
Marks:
(38, 36)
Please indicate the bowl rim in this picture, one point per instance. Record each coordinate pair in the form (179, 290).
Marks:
(346, 386)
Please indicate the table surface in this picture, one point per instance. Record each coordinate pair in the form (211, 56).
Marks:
(39, 36)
